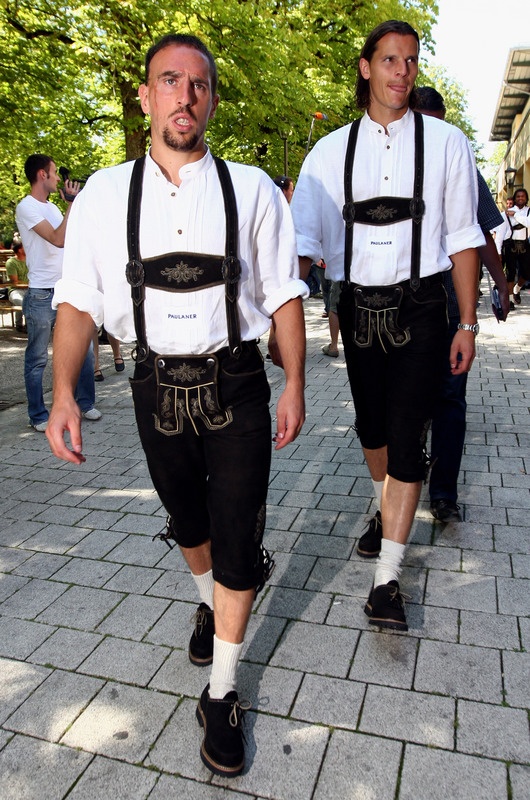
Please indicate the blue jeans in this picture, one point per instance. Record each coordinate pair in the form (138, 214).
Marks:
(448, 430)
(40, 319)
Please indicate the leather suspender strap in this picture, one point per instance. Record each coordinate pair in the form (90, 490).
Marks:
(231, 267)
(417, 209)
(231, 263)
(348, 211)
(134, 270)
(416, 206)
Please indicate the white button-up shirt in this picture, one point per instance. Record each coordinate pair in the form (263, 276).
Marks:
(188, 218)
(384, 166)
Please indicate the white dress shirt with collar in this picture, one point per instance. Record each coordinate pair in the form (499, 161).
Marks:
(384, 166)
(189, 218)
(506, 231)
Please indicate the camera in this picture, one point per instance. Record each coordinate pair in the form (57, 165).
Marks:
(64, 172)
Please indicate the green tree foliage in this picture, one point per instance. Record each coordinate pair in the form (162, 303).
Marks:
(69, 76)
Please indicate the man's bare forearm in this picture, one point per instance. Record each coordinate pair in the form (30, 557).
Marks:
(71, 340)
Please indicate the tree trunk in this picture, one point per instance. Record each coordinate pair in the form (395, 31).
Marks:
(133, 122)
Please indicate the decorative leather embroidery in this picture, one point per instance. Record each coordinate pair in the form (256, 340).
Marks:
(185, 373)
(382, 212)
(182, 273)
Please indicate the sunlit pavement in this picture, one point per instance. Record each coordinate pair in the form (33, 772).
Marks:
(97, 694)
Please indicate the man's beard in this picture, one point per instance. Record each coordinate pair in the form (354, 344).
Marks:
(177, 141)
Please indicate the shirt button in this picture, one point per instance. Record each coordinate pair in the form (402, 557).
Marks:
(386, 177)
(173, 194)
(179, 232)
(388, 147)
(379, 131)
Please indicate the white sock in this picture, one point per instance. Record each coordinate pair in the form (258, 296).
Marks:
(388, 566)
(204, 584)
(378, 489)
(225, 660)
(511, 297)
(516, 289)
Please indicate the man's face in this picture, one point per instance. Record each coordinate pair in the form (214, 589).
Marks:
(520, 199)
(179, 98)
(50, 178)
(509, 202)
(391, 72)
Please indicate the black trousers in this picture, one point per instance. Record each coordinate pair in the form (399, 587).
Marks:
(394, 388)
(213, 483)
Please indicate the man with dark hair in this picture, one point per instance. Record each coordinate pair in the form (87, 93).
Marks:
(511, 238)
(362, 203)
(449, 419)
(193, 257)
(42, 229)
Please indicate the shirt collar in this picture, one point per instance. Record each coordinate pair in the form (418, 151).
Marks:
(394, 128)
(187, 172)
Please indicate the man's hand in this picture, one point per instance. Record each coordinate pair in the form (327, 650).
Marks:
(70, 190)
(462, 352)
(290, 416)
(65, 416)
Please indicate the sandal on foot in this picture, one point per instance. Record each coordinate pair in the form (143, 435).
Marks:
(98, 375)
(119, 364)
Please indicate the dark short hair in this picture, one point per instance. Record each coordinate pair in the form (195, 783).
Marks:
(182, 40)
(362, 92)
(428, 99)
(283, 181)
(16, 246)
(517, 192)
(35, 163)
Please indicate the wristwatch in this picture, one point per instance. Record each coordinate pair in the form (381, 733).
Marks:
(465, 326)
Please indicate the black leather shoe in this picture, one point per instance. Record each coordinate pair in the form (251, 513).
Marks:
(200, 650)
(445, 510)
(369, 545)
(386, 608)
(517, 298)
(222, 749)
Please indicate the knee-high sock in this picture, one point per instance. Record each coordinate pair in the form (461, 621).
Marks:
(225, 660)
(204, 584)
(388, 566)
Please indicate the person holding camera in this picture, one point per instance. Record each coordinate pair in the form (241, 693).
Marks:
(42, 229)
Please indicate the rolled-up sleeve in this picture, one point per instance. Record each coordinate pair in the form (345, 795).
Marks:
(461, 229)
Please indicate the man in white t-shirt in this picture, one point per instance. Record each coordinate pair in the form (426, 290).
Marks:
(42, 229)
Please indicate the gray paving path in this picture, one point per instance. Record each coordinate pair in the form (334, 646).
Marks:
(97, 697)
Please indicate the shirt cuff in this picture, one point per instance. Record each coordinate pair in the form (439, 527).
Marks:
(83, 297)
(464, 239)
(295, 288)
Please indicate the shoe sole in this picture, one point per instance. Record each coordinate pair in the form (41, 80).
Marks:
(392, 624)
(368, 554)
(200, 662)
(213, 766)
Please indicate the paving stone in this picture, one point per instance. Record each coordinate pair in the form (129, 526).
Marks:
(341, 577)
(9, 584)
(433, 557)
(103, 520)
(80, 607)
(86, 572)
(291, 570)
(66, 648)
(97, 544)
(138, 523)
(29, 766)
(174, 627)
(489, 630)
(268, 689)
(520, 781)
(19, 680)
(13, 534)
(385, 659)
(483, 563)
(121, 722)
(19, 638)
(409, 716)
(139, 550)
(134, 616)
(467, 535)
(56, 539)
(459, 670)
(512, 539)
(175, 586)
(32, 599)
(521, 566)
(438, 775)
(308, 647)
(459, 590)
(123, 660)
(493, 731)
(329, 701)
(516, 671)
(295, 604)
(10, 558)
(313, 520)
(54, 705)
(112, 779)
(514, 596)
(331, 546)
(42, 565)
(261, 638)
(358, 766)
(177, 677)
(169, 788)
(62, 515)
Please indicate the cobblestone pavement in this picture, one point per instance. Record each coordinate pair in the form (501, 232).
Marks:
(98, 697)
